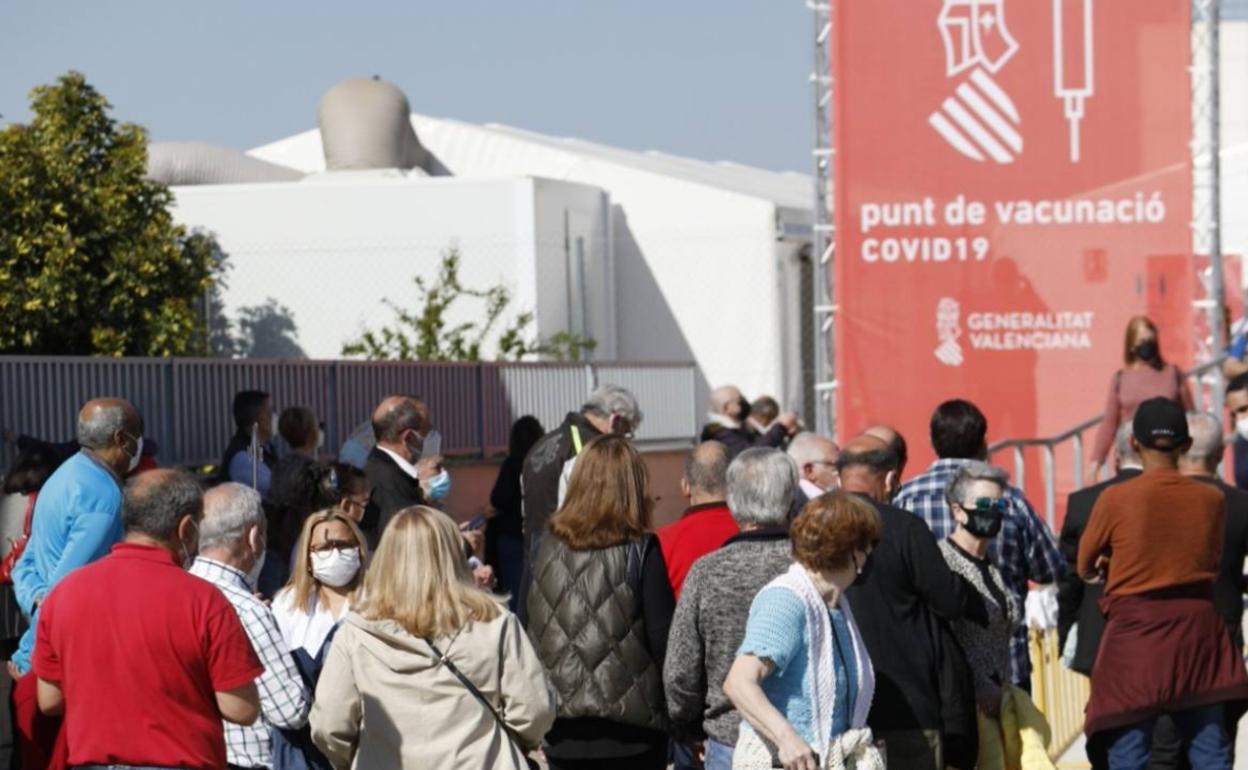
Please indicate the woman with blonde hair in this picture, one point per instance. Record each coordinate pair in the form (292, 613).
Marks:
(599, 609)
(448, 675)
(325, 581)
(327, 573)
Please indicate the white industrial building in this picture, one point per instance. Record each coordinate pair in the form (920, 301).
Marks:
(657, 258)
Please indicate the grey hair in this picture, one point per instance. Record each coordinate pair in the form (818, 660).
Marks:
(1123, 447)
(607, 400)
(804, 447)
(230, 509)
(154, 507)
(1206, 432)
(761, 483)
(968, 474)
(97, 426)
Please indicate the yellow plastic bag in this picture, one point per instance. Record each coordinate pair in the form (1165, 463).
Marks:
(1019, 740)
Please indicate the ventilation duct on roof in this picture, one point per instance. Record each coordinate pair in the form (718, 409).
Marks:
(192, 163)
(366, 124)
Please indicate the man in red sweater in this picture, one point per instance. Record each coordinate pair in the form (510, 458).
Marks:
(707, 522)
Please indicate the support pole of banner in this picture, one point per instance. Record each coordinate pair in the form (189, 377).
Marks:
(824, 232)
(1206, 189)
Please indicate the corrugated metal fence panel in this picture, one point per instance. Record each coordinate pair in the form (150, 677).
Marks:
(41, 396)
(186, 403)
(546, 391)
(664, 393)
(202, 417)
(450, 389)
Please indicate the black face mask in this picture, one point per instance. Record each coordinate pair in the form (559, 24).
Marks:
(1147, 351)
(983, 525)
(744, 406)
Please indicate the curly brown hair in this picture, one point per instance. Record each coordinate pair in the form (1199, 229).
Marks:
(831, 528)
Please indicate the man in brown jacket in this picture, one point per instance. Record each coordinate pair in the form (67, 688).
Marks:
(1156, 541)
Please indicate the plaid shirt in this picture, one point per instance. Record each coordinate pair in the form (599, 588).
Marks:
(1024, 551)
(284, 701)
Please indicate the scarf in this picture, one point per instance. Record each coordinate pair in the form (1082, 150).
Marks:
(856, 744)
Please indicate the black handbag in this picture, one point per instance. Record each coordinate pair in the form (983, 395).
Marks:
(472, 688)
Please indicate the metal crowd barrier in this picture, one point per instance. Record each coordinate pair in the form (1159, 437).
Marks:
(1061, 694)
(1205, 381)
(186, 403)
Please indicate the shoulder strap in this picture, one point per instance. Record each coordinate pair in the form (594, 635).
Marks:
(472, 688)
(577, 444)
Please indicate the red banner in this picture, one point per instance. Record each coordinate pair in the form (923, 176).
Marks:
(1009, 175)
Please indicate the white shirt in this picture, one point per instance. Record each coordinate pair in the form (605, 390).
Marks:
(402, 462)
(303, 629)
(811, 489)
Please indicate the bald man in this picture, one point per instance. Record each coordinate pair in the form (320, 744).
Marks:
(896, 442)
(707, 523)
(906, 588)
(77, 519)
(729, 423)
(395, 466)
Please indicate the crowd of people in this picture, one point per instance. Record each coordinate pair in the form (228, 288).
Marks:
(812, 608)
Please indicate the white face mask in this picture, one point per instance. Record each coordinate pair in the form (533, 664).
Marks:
(138, 455)
(273, 425)
(336, 568)
(320, 439)
(1241, 427)
(253, 574)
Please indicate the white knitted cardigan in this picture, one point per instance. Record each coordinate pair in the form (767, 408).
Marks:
(855, 745)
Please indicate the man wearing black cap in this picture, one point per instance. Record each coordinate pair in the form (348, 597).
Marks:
(1156, 542)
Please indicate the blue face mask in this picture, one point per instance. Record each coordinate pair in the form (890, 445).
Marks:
(440, 486)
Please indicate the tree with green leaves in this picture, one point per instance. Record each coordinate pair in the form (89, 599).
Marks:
(426, 334)
(91, 261)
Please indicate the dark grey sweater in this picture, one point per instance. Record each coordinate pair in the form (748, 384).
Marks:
(709, 626)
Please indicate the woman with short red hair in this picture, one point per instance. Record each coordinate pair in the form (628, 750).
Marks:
(802, 679)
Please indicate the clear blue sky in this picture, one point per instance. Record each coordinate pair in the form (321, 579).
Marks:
(721, 80)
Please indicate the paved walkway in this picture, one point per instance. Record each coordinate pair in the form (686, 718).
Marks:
(1076, 758)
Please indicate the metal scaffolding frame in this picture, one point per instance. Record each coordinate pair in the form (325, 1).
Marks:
(1206, 192)
(824, 230)
(1206, 204)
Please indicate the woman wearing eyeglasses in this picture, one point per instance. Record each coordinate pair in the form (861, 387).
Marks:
(330, 558)
(328, 568)
(975, 495)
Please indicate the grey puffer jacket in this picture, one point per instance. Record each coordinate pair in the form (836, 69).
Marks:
(585, 620)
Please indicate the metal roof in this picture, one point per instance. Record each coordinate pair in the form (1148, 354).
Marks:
(786, 189)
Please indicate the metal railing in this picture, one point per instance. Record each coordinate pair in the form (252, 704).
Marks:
(1204, 377)
(186, 403)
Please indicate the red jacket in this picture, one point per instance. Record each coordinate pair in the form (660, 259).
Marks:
(700, 530)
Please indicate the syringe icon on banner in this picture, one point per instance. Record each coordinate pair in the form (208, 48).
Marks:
(1072, 62)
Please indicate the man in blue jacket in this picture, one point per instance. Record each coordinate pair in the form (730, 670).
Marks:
(77, 519)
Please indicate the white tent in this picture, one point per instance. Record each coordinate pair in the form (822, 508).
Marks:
(710, 261)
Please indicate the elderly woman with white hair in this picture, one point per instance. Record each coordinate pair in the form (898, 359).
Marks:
(715, 601)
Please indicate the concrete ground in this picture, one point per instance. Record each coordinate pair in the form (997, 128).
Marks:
(1076, 758)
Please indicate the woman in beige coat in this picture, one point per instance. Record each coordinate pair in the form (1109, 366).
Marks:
(388, 699)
